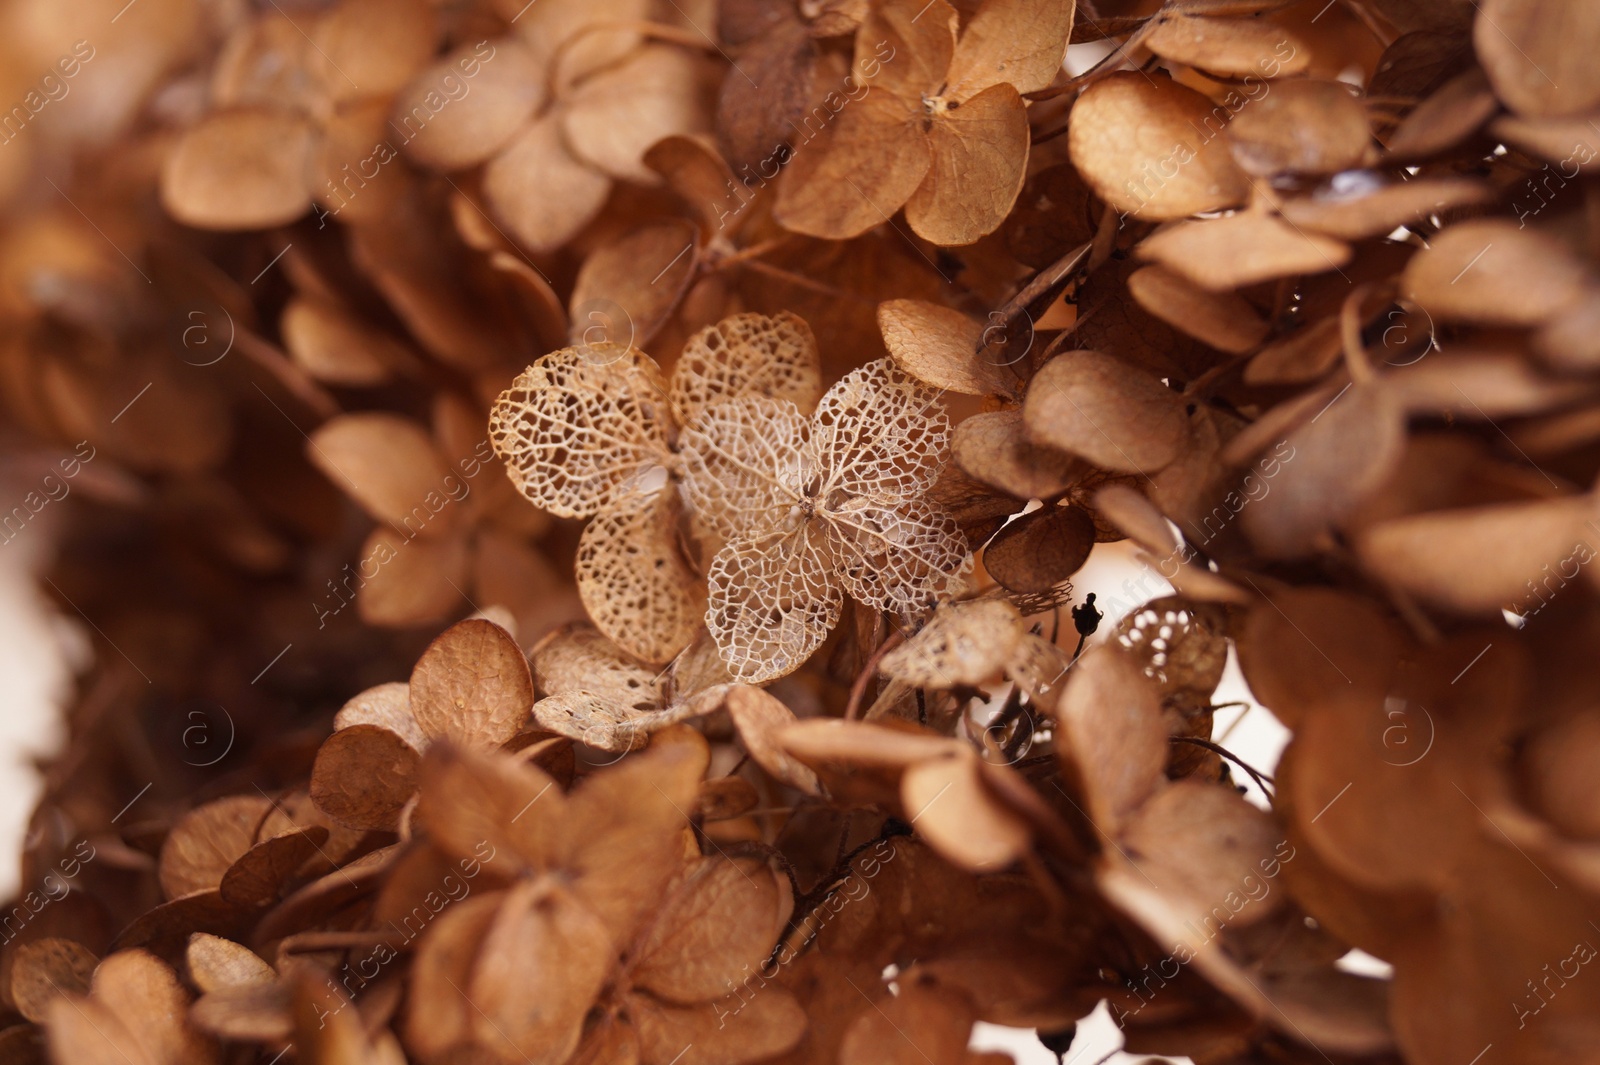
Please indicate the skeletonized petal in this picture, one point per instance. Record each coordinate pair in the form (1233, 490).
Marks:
(577, 427)
(634, 580)
(747, 355)
(744, 464)
(881, 434)
(773, 601)
(899, 557)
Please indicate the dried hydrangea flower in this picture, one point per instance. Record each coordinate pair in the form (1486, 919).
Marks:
(592, 432)
(813, 508)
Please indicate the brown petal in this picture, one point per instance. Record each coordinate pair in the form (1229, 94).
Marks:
(760, 720)
(450, 121)
(980, 160)
(337, 347)
(469, 800)
(961, 819)
(643, 275)
(1241, 250)
(942, 347)
(1230, 47)
(417, 582)
(963, 643)
(387, 706)
(993, 448)
(1020, 42)
(215, 963)
(210, 838)
(732, 1031)
(371, 47)
(611, 118)
(1482, 559)
(1037, 551)
(1494, 272)
(1150, 148)
(1363, 210)
(1334, 462)
(1225, 321)
(868, 165)
(143, 993)
(543, 960)
(363, 777)
(389, 465)
(256, 879)
(240, 170)
(44, 969)
(923, 1025)
(1113, 734)
(540, 191)
(1106, 412)
(1302, 126)
(716, 928)
(441, 1014)
(472, 685)
(1533, 53)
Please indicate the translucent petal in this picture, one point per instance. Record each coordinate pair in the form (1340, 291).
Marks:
(578, 426)
(602, 724)
(633, 579)
(901, 557)
(747, 355)
(578, 658)
(773, 601)
(881, 434)
(745, 464)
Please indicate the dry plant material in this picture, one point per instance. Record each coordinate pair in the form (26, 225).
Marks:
(712, 413)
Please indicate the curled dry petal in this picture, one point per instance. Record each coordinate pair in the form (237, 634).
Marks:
(942, 347)
(962, 644)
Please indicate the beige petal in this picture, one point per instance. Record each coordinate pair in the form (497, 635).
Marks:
(613, 117)
(1113, 735)
(417, 582)
(962, 644)
(744, 465)
(540, 191)
(577, 658)
(240, 170)
(747, 355)
(578, 426)
(1363, 210)
(942, 347)
(335, 346)
(773, 602)
(902, 557)
(633, 577)
(1106, 412)
(214, 963)
(1242, 249)
(1038, 551)
(1151, 148)
(863, 171)
(993, 448)
(372, 47)
(450, 119)
(980, 160)
(629, 287)
(879, 434)
(588, 34)
(143, 993)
